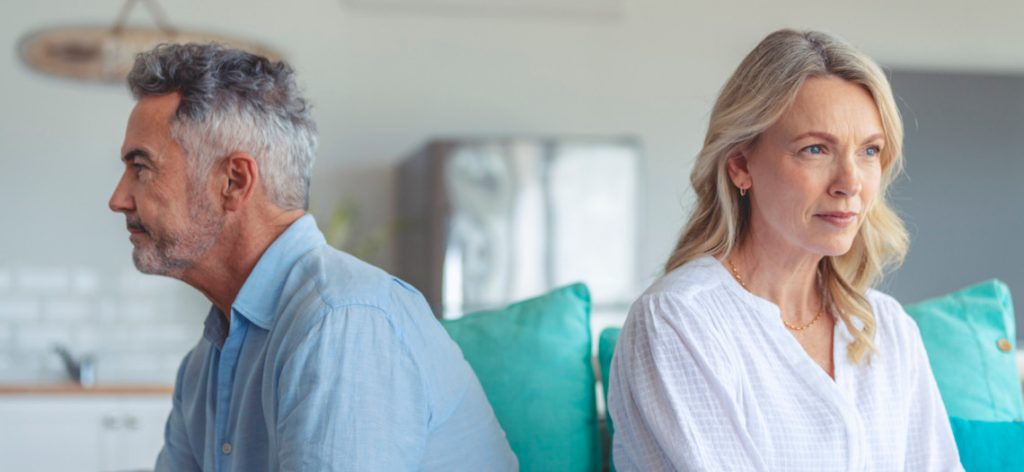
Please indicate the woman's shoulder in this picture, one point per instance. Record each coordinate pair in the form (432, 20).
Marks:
(891, 320)
(882, 303)
(885, 306)
(695, 292)
(691, 280)
(691, 311)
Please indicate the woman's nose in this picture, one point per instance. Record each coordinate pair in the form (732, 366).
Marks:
(847, 181)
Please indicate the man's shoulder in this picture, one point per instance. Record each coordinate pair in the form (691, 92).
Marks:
(340, 279)
(328, 281)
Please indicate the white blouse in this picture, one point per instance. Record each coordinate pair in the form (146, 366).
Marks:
(706, 377)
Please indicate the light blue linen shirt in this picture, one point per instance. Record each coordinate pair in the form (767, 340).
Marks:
(328, 364)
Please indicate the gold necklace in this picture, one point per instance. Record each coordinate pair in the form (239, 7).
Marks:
(736, 274)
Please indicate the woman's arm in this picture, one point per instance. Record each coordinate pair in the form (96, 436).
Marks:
(672, 394)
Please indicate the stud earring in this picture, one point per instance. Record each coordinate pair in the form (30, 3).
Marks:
(743, 192)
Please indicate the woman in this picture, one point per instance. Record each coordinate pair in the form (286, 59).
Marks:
(763, 346)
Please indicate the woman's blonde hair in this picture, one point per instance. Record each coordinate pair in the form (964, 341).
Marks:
(761, 89)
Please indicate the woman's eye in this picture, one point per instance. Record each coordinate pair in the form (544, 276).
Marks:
(814, 149)
(873, 151)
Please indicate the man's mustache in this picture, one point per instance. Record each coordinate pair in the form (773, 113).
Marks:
(135, 224)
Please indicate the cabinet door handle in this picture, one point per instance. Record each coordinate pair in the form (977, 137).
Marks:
(130, 422)
(109, 422)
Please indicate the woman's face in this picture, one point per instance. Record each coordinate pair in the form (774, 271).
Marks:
(813, 175)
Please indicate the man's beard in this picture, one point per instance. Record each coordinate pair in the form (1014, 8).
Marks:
(177, 250)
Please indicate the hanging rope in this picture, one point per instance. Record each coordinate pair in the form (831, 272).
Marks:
(155, 11)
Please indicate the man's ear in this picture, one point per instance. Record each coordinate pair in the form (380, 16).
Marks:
(242, 175)
(736, 163)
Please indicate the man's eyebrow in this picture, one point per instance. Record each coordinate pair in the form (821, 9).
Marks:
(136, 153)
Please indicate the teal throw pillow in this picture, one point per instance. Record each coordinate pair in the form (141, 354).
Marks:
(970, 338)
(989, 446)
(605, 350)
(533, 360)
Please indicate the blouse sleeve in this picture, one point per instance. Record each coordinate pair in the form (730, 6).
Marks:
(672, 394)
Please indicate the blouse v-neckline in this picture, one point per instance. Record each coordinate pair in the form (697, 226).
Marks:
(774, 326)
(837, 390)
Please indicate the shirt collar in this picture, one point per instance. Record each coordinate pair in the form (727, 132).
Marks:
(216, 327)
(262, 289)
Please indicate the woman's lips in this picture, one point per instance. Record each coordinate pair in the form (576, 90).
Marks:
(839, 219)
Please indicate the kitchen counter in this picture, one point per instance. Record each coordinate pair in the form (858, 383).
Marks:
(108, 427)
(75, 389)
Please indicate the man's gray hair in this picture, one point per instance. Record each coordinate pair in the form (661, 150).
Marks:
(234, 101)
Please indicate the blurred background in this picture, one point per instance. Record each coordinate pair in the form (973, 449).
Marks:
(392, 81)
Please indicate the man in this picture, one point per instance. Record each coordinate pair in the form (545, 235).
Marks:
(310, 359)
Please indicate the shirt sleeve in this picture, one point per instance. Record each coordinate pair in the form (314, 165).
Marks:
(350, 397)
(176, 455)
(672, 394)
(930, 443)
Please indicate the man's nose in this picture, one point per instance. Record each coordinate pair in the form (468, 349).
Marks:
(121, 200)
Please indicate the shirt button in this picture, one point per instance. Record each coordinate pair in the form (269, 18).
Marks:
(1004, 345)
(226, 448)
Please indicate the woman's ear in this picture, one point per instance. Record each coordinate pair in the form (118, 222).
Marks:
(736, 163)
(241, 176)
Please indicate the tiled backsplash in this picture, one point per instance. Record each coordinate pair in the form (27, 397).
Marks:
(137, 327)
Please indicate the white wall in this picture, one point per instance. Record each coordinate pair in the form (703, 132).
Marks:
(382, 82)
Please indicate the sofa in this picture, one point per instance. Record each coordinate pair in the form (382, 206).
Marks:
(536, 361)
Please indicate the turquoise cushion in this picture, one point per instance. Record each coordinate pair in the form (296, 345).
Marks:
(605, 349)
(533, 360)
(965, 334)
(988, 446)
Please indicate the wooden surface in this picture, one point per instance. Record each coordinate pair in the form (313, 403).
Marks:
(74, 389)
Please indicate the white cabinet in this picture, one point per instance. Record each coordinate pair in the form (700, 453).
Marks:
(81, 432)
